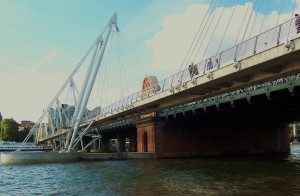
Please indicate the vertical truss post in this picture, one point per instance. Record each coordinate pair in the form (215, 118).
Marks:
(112, 22)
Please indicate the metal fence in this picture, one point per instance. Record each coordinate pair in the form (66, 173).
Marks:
(252, 46)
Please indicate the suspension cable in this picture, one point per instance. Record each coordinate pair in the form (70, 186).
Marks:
(287, 38)
(214, 6)
(206, 32)
(264, 17)
(278, 18)
(280, 12)
(105, 71)
(134, 72)
(214, 31)
(243, 38)
(236, 40)
(247, 27)
(107, 84)
(121, 63)
(211, 4)
(227, 26)
(133, 79)
(255, 17)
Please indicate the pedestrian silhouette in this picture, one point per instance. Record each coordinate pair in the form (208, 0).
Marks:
(209, 64)
(297, 23)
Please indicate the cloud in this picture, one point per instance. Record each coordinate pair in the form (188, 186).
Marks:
(25, 92)
(171, 43)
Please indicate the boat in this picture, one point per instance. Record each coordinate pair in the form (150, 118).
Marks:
(34, 157)
(8, 146)
(38, 153)
(295, 141)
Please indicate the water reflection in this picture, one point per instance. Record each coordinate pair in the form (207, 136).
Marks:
(256, 175)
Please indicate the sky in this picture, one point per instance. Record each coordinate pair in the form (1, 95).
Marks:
(41, 42)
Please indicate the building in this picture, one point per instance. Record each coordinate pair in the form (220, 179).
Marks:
(26, 124)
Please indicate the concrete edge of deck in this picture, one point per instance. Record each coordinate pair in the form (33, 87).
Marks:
(116, 156)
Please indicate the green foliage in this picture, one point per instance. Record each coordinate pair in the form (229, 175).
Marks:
(10, 131)
(291, 132)
(24, 133)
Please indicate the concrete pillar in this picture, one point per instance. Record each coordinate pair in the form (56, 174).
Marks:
(295, 130)
(105, 144)
(121, 140)
(129, 148)
(133, 143)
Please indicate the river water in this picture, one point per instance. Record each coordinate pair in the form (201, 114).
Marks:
(254, 175)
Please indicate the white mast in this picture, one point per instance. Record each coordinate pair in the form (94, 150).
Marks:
(85, 94)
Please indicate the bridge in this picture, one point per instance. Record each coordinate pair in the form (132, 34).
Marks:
(240, 103)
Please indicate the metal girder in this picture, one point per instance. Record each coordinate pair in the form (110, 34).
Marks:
(266, 90)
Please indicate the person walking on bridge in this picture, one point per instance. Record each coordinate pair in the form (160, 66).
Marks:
(191, 71)
(209, 65)
(297, 22)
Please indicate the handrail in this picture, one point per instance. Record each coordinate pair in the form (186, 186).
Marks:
(240, 51)
(259, 43)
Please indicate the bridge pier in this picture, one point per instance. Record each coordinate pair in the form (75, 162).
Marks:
(147, 134)
(105, 144)
(190, 140)
(133, 143)
(189, 137)
(121, 141)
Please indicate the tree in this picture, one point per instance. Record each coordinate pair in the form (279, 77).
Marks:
(10, 130)
(23, 134)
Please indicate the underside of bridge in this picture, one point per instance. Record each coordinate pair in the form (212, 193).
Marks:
(258, 125)
(253, 121)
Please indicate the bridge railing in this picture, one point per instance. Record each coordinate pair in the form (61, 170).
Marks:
(288, 79)
(252, 46)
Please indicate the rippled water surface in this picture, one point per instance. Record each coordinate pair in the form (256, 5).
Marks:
(263, 175)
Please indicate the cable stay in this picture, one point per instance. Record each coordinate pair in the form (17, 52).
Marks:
(90, 78)
(291, 20)
(214, 30)
(228, 23)
(243, 38)
(205, 34)
(118, 77)
(280, 10)
(185, 61)
(112, 84)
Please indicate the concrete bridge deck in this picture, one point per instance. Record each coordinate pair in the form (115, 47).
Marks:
(273, 63)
